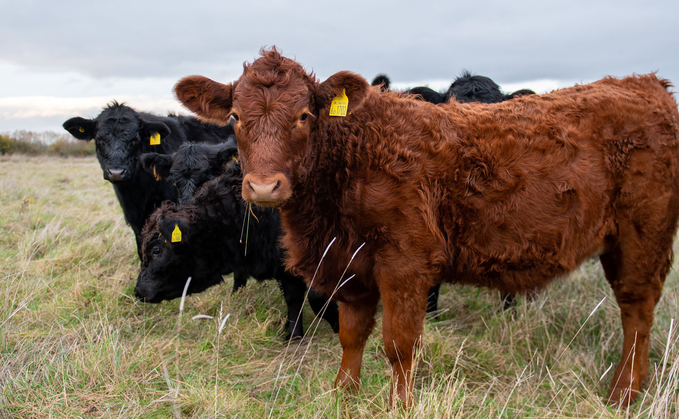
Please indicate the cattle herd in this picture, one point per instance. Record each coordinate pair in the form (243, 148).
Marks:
(364, 194)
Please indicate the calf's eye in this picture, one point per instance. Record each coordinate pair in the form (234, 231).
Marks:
(303, 117)
(156, 250)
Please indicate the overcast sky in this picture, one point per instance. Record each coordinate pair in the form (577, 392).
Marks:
(65, 58)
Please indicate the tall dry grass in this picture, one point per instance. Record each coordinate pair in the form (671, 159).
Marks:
(74, 342)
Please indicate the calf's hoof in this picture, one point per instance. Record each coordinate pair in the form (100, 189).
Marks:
(293, 338)
(622, 396)
(347, 383)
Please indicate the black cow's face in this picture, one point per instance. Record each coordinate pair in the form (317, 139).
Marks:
(167, 264)
(191, 166)
(119, 133)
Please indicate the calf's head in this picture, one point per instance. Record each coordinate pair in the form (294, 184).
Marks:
(191, 166)
(120, 135)
(168, 259)
(276, 107)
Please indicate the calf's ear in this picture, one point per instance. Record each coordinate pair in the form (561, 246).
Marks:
(81, 128)
(152, 133)
(176, 232)
(206, 98)
(351, 84)
(158, 165)
(226, 154)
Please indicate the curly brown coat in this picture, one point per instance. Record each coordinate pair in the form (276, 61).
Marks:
(508, 195)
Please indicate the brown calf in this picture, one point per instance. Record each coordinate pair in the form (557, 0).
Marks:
(508, 195)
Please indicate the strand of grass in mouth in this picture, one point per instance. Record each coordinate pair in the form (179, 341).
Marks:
(247, 229)
(253, 213)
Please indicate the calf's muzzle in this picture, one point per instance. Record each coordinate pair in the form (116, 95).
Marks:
(266, 190)
(116, 174)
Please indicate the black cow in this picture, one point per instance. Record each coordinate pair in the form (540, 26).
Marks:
(383, 81)
(466, 88)
(216, 233)
(190, 166)
(121, 135)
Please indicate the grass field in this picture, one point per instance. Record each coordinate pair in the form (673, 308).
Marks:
(74, 342)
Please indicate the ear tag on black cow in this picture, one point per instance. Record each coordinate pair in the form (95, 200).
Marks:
(155, 139)
(176, 234)
(339, 105)
(81, 129)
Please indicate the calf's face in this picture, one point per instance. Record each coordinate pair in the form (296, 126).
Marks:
(120, 134)
(167, 264)
(191, 166)
(276, 107)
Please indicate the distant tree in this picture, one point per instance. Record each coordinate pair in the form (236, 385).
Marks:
(44, 143)
(6, 145)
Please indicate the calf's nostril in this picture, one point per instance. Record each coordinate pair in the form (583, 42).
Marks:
(138, 295)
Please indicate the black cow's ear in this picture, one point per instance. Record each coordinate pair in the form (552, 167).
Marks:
(81, 128)
(152, 133)
(206, 98)
(157, 164)
(226, 154)
(175, 231)
(342, 93)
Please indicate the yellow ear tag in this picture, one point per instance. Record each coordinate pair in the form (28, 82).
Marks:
(339, 105)
(155, 139)
(176, 234)
(81, 129)
(234, 158)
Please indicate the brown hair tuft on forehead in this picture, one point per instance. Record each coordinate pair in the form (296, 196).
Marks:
(272, 69)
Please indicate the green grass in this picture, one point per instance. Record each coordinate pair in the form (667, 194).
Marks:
(74, 342)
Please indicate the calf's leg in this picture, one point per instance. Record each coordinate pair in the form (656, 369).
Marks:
(239, 280)
(433, 298)
(636, 274)
(404, 306)
(356, 320)
(318, 301)
(293, 288)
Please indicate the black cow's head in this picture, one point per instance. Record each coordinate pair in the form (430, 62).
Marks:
(168, 259)
(191, 166)
(474, 88)
(119, 133)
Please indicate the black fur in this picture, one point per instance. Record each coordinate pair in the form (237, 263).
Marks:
(469, 88)
(121, 135)
(521, 92)
(191, 165)
(466, 88)
(381, 80)
(428, 95)
(212, 223)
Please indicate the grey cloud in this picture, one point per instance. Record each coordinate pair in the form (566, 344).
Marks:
(507, 41)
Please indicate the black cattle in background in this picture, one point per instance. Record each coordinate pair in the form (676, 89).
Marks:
(216, 233)
(190, 166)
(383, 81)
(473, 88)
(121, 135)
(466, 88)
